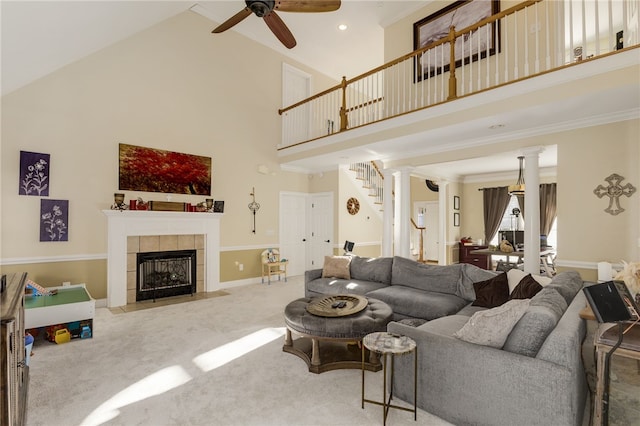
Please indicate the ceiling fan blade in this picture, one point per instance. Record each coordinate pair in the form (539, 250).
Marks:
(278, 27)
(233, 20)
(307, 5)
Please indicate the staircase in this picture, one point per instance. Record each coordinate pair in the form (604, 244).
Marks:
(372, 180)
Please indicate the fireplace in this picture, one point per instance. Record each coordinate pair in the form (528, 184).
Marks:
(144, 229)
(165, 274)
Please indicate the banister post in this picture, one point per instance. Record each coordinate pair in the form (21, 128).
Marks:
(344, 122)
(453, 87)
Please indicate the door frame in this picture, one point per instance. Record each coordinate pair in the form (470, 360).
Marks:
(308, 219)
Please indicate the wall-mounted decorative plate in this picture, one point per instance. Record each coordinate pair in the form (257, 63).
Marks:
(353, 205)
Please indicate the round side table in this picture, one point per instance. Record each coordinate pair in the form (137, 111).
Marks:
(391, 344)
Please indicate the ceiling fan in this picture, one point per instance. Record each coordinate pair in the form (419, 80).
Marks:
(266, 9)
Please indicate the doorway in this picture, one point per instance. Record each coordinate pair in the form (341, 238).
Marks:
(306, 230)
(431, 214)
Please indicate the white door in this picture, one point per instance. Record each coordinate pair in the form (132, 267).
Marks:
(431, 218)
(320, 229)
(293, 237)
(296, 86)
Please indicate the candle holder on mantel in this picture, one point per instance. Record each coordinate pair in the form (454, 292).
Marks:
(119, 204)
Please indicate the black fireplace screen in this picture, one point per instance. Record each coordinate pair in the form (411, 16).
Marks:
(166, 273)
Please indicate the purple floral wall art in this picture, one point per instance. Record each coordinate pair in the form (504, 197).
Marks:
(54, 220)
(34, 174)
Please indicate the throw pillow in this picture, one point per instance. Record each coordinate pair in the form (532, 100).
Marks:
(336, 267)
(492, 292)
(529, 334)
(516, 275)
(492, 326)
(567, 283)
(526, 288)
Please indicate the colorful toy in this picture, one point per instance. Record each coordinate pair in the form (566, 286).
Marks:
(86, 332)
(38, 290)
(62, 336)
(51, 331)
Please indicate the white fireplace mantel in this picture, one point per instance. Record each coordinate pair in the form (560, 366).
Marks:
(124, 223)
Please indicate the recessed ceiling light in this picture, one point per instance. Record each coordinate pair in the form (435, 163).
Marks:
(342, 27)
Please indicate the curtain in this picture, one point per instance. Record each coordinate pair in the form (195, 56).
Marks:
(495, 202)
(520, 198)
(548, 207)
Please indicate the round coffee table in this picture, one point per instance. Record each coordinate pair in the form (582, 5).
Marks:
(333, 342)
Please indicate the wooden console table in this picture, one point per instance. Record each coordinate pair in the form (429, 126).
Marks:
(519, 254)
(14, 371)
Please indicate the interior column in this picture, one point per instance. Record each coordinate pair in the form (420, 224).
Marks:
(402, 213)
(443, 228)
(532, 209)
(387, 213)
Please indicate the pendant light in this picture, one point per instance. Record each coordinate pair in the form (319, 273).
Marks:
(518, 188)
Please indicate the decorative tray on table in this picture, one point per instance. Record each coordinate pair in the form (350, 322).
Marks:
(337, 306)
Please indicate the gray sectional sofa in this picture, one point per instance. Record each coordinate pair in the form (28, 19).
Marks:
(535, 378)
(414, 291)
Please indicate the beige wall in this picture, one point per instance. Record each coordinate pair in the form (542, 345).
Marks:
(363, 228)
(586, 232)
(174, 87)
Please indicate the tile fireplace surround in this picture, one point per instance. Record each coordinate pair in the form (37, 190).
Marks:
(126, 223)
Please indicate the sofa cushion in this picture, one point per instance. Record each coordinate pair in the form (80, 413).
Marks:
(544, 312)
(409, 273)
(567, 283)
(336, 267)
(371, 269)
(472, 274)
(340, 286)
(514, 276)
(445, 326)
(412, 322)
(409, 302)
(492, 326)
(492, 292)
(526, 288)
(470, 310)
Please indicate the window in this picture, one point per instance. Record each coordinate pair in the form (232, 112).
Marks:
(509, 223)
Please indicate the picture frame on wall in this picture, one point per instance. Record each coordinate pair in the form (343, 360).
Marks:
(34, 174)
(477, 44)
(54, 220)
(456, 219)
(456, 202)
(156, 170)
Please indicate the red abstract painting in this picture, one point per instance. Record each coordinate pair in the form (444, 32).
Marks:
(156, 170)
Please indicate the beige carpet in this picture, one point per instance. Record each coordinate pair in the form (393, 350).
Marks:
(215, 361)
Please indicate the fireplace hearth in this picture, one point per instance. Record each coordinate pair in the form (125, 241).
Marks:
(165, 274)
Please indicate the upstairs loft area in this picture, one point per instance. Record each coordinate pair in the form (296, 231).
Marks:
(515, 52)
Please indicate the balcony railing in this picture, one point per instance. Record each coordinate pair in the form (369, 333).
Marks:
(526, 40)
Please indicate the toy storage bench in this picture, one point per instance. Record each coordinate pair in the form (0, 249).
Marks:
(72, 304)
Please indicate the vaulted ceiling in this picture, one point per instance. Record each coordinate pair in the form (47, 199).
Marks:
(41, 37)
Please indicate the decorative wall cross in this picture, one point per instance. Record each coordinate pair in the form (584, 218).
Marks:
(614, 191)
